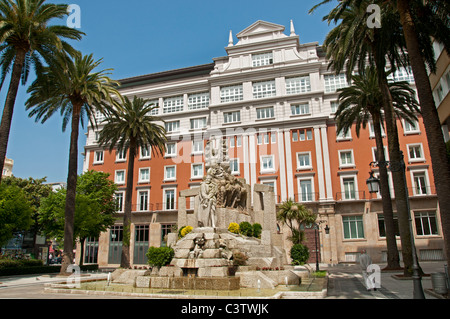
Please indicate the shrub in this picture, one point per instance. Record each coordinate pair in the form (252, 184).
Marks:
(161, 256)
(186, 230)
(299, 254)
(257, 229)
(233, 228)
(246, 229)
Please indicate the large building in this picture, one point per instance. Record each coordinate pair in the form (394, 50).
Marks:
(8, 167)
(273, 98)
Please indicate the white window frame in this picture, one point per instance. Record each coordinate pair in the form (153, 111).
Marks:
(172, 146)
(409, 131)
(262, 138)
(343, 190)
(193, 176)
(231, 93)
(413, 172)
(166, 178)
(358, 236)
(165, 198)
(195, 149)
(96, 157)
(199, 123)
(352, 159)
(235, 160)
(266, 170)
(232, 117)
(116, 180)
(263, 89)
(334, 105)
(139, 207)
(334, 82)
(121, 155)
(155, 106)
(309, 197)
(374, 155)
(372, 130)
(415, 159)
(264, 113)
(146, 156)
(300, 109)
(121, 202)
(344, 136)
(146, 180)
(198, 101)
(269, 182)
(172, 127)
(298, 84)
(303, 167)
(262, 59)
(173, 104)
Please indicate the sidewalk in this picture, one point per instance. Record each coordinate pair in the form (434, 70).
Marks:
(346, 282)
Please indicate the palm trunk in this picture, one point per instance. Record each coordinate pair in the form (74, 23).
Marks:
(71, 190)
(126, 259)
(439, 160)
(8, 110)
(393, 260)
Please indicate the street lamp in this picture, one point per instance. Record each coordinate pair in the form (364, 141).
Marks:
(373, 185)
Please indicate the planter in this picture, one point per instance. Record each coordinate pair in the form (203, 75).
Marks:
(439, 282)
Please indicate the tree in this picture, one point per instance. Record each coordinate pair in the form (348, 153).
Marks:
(295, 216)
(34, 190)
(420, 21)
(15, 212)
(352, 45)
(360, 103)
(95, 209)
(26, 37)
(72, 87)
(131, 127)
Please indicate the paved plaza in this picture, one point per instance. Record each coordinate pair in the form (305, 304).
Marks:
(345, 282)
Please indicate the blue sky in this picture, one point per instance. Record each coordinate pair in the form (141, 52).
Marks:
(137, 37)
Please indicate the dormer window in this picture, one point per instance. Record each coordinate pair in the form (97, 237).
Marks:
(262, 59)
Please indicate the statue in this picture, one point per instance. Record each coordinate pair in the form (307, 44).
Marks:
(219, 188)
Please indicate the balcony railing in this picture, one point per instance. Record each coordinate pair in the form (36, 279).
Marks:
(351, 195)
(306, 197)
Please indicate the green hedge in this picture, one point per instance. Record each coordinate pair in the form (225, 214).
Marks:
(31, 267)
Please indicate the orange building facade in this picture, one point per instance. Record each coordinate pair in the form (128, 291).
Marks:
(273, 99)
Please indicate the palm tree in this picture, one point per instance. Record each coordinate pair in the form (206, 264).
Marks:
(72, 88)
(26, 37)
(351, 45)
(360, 103)
(131, 127)
(420, 21)
(295, 216)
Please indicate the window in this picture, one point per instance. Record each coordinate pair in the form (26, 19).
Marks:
(145, 152)
(349, 186)
(119, 177)
(155, 107)
(173, 104)
(411, 128)
(306, 190)
(234, 166)
(119, 201)
(346, 158)
(335, 82)
(170, 173)
(353, 227)
(144, 175)
(300, 109)
(238, 141)
(334, 106)
(172, 126)
(264, 89)
(302, 135)
(309, 136)
(420, 183)
(262, 137)
(98, 157)
(197, 147)
(273, 138)
(232, 117)
(198, 124)
(262, 59)
(99, 116)
(265, 113)
(197, 171)
(169, 199)
(231, 93)
(267, 163)
(426, 223)
(171, 150)
(415, 153)
(382, 228)
(402, 74)
(372, 130)
(301, 84)
(304, 161)
(143, 201)
(344, 135)
(198, 101)
(295, 136)
(121, 155)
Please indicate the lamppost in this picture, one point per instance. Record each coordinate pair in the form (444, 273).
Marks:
(373, 184)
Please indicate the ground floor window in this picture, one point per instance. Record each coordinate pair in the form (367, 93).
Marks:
(426, 223)
(353, 227)
(141, 244)
(115, 244)
(91, 250)
(382, 227)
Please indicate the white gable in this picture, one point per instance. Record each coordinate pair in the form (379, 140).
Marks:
(260, 31)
